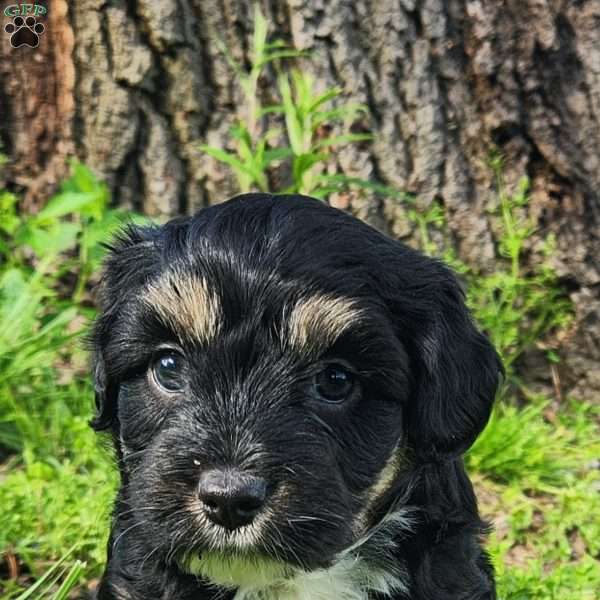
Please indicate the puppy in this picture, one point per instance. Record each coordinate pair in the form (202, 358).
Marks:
(289, 393)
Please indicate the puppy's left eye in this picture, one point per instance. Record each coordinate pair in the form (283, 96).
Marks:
(334, 383)
(167, 371)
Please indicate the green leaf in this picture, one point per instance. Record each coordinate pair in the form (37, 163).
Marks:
(344, 139)
(9, 223)
(553, 356)
(321, 192)
(303, 163)
(226, 157)
(240, 132)
(66, 203)
(294, 129)
(83, 180)
(339, 181)
(275, 109)
(274, 154)
(278, 54)
(338, 114)
(260, 37)
(325, 97)
(48, 575)
(303, 84)
(52, 239)
(70, 581)
(100, 231)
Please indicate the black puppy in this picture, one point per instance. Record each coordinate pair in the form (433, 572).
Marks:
(290, 393)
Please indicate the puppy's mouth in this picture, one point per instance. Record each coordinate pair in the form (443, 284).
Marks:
(254, 556)
(242, 539)
(270, 550)
(236, 558)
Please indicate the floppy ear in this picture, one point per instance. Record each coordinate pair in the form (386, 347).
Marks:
(458, 374)
(456, 371)
(105, 395)
(131, 258)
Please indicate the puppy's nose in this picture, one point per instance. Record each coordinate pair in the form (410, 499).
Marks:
(231, 498)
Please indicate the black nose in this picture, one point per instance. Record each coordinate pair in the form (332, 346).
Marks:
(231, 498)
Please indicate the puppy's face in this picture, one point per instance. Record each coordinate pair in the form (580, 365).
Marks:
(269, 369)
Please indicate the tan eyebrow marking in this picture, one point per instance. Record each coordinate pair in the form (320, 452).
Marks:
(185, 303)
(316, 321)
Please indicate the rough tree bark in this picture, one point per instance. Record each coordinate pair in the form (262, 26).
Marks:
(132, 88)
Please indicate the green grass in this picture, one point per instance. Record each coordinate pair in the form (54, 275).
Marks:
(536, 472)
(51, 504)
(56, 483)
(522, 444)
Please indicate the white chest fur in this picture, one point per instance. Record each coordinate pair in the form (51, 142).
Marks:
(352, 576)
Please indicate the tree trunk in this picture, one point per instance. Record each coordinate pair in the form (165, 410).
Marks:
(132, 88)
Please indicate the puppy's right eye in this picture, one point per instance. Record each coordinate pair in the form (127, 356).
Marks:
(334, 383)
(167, 371)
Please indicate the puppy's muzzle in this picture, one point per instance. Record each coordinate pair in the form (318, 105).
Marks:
(231, 498)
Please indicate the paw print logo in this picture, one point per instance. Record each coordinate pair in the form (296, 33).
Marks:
(24, 32)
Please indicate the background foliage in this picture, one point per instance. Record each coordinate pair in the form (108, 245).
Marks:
(535, 466)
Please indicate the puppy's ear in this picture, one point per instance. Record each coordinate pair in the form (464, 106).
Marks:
(458, 374)
(456, 371)
(131, 258)
(105, 396)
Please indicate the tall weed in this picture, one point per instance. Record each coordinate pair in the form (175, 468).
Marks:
(308, 117)
(519, 306)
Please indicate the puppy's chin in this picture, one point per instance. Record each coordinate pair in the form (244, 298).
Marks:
(246, 571)
(242, 558)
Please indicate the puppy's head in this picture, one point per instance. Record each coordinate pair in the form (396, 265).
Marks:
(268, 369)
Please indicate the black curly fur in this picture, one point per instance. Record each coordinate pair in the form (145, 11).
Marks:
(427, 383)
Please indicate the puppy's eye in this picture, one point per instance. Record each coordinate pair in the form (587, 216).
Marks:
(167, 371)
(334, 383)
